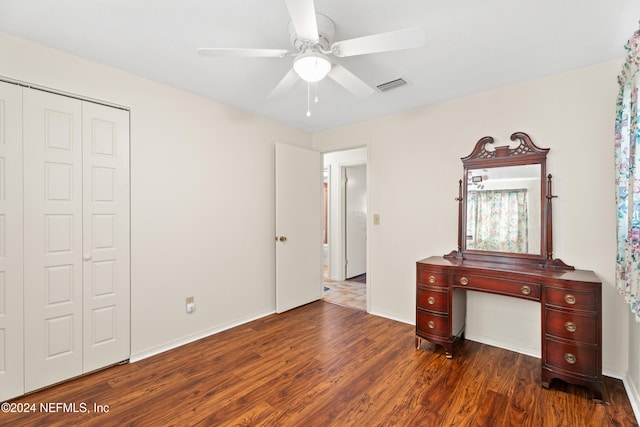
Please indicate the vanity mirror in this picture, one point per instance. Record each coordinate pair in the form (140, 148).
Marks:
(505, 204)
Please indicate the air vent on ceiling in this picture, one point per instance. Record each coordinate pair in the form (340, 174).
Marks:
(383, 87)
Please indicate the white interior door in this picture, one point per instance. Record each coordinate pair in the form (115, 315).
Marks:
(298, 227)
(52, 238)
(105, 278)
(355, 220)
(11, 284)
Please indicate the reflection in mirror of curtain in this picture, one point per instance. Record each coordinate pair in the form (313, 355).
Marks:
(497, 220)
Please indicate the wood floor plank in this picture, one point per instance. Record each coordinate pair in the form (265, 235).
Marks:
(326, 365)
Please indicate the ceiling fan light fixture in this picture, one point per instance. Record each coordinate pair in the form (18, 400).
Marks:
(312, 66)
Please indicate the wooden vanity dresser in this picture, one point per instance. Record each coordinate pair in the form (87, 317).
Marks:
(570, 302)
(570, 299)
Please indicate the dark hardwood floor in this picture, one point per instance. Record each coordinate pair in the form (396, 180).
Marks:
(323, 365)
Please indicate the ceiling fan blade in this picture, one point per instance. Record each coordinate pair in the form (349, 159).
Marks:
(395, 40)
(303, 18)
(287, 82)
(227, 52)
(349, 81)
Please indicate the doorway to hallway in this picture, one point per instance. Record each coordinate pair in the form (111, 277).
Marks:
(345, 227)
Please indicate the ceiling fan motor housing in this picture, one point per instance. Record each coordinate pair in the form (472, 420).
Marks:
(326, 32)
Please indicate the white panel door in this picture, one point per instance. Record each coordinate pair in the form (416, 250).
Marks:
(11, 302)
(105, 235)
(52, 238)
(355, 220)
(298, 227)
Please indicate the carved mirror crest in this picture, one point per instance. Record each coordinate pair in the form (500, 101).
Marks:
(504, 212)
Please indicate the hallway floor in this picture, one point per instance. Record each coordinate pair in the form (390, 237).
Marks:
(349, 293)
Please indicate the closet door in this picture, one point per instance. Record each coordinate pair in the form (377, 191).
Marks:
(11, 302)
(52, 238)
(105, 235)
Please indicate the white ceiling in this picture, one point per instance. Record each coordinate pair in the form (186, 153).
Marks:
(472, 46)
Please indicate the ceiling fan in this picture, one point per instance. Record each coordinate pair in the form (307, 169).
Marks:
(311, 35)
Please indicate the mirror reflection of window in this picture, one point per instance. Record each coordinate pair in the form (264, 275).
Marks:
(525, 178)
(497, 220)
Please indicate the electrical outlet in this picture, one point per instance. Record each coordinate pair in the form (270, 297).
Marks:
(191, 304)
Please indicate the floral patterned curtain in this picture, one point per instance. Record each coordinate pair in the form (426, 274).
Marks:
(627, 143)
(497, 221)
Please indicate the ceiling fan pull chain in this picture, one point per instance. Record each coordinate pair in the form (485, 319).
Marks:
(308, 98)
(315, 87)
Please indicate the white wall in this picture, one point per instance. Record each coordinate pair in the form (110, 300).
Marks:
(202, 197)
(633, 376)
(414, 166)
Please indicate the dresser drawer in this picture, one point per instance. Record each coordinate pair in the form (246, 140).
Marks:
(433, 300)
(570, 298)
(498, 286)
(429, 278)
(574, 358)
(432, 324)
(571, 326)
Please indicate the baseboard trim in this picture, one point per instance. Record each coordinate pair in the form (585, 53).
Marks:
(392, 317)
(528, 351)
(153, 351)
(634, 397)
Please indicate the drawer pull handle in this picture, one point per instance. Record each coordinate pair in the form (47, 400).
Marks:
(431, 300)
(526, 290)
(570, 358)
(569, 299)
(431, 324)
(464, 281)
(432, 279)
(570, 326)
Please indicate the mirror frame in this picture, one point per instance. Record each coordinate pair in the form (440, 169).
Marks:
(526, 153)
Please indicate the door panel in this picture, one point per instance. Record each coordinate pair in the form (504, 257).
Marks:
(52, 238)
(356, 220)
(106, 266)
(299, 220)
(11, 284)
